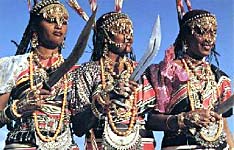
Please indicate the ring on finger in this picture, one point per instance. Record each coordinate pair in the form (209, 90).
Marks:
(196, 117)
(212, 119)
(211, 113)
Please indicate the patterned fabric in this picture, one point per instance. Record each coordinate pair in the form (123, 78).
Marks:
(169, 81)
(15, 80)
(90, 77)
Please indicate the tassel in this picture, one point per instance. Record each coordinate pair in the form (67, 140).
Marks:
(93, 4)
(74, 4)
(189, 6)
(118, 5)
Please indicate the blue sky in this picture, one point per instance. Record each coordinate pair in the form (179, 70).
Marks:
(14, 18)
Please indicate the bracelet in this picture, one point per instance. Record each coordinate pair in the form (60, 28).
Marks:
(3, 117)
(11, 111)
(180, 120)
(14, 109)
(167, 123)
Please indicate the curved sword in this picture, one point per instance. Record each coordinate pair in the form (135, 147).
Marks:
(150, 53)
(75, 55)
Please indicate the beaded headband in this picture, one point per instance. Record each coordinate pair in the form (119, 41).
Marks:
(201, 20)
(51, 10)
(115, 23)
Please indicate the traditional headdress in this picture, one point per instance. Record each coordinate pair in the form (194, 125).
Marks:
(106, 26)
(51, 10)
(190, 22)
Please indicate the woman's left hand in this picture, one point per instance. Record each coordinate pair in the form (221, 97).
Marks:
(201, 118)
(126, 88)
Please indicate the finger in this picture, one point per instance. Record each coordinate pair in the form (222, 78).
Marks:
(215, 115)
(45, 92)
(134, 83)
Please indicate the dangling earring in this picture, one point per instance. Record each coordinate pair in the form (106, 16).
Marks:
(184, 46)
(63, 43)
(34, 40)
(105, 48)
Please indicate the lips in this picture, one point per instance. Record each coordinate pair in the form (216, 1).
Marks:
(57, 33)
(207, 46)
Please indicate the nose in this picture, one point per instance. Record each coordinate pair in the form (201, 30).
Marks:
(59, 23)
(129, 39)
(209, 37)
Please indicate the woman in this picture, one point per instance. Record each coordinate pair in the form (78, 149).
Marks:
(42, 117)
(189, 88)
(117, 105)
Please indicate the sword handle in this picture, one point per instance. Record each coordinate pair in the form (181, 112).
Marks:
(46, 86)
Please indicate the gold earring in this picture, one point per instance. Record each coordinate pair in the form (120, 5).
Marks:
(34, 41)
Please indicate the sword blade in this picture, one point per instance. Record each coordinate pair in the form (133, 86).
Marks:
(150, 53)
(75, 55)
(225, 106)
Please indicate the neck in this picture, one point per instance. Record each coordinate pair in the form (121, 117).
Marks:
(46, 52)
(114, 57)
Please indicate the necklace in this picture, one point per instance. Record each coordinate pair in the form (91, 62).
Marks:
(43, 56)
(107, 76)
(206, 98)
(201, 85)
(56, 61)
(33, 88)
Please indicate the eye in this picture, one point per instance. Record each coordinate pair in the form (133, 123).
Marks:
(64, 21)
(198, 30)
(51, 20)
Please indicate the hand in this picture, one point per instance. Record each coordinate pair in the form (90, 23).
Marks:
(32, 101)
(200, 118)
(125, 89)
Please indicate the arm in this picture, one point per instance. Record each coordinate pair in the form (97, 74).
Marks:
(3, 102)
(161, 122)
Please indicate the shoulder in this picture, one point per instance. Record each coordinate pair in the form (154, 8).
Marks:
(14, 59)
(219, 74)
(11, 63)
(218, 71)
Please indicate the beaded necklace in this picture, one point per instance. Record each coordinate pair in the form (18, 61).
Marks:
(212, 135)
(33, 88)
(201, 85)
(54, 65)
(105, 75)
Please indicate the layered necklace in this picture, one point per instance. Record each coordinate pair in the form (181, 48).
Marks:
(202, 88)
(34, 63)
(203, 93)
(109, 78)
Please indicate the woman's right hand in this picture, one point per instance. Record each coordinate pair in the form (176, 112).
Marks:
(32, 102)
(200, 118)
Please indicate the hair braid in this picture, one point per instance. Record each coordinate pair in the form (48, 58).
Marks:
(22, 47)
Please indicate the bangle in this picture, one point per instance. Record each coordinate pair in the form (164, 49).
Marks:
(3, 117)
(167, 123)
(180, 122)
(14, 109)
(95, 110)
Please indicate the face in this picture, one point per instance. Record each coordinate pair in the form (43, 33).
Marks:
(53, 27)
(51, 34)
(123, 43)
(202, 39)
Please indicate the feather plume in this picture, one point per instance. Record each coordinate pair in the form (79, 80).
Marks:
(118, 5)
(74, 4)
(93, 4)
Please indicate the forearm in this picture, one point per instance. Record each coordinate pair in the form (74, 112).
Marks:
(161, 122)
(4, 119)
(83, 121)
